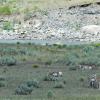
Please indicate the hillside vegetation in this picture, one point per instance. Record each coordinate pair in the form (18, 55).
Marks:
(23, 6)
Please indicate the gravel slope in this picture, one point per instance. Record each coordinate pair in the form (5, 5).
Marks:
(55, 24)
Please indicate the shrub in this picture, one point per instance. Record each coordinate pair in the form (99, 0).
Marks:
(27, 87)
(23, 89)
(72, 68)
(29, 43)
(2, 84)
(88, 49)
(97, 45)
(7, 26)
(23, 51)
(24, 59)
(2, 81)
(59, 85)
(48, 62)
(18, 43)
(34, 83)
(64, 82)
(59, 45)
(90, 60)
(72, 59)
(9, 51)
(2, 1)
(9, 61)
(35, 66)
(2, 78)
(5, 10)
(50, 94)
(44, 13)
(82, 79)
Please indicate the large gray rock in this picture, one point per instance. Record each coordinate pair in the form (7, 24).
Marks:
(92, 29)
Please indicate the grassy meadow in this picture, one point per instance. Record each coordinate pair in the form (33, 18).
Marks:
(21, 63)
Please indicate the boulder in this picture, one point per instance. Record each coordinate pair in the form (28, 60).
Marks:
(92, 29)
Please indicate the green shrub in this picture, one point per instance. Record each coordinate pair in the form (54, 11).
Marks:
(27, 87)
(24, 59)
(23, 51)
(44, 12)
(34, 83)
(7, 26)
(9, 61)
(88, 49)
(72, 68)
(3, 1)
(97, 45)
(35, 66)
(72, 59)
(2, 84)
(5, 10)
(23, 89)
(9, 51)
(2, 81)
(82, 79)
(29, 43)
(50, 94)
(59, 46)
(18, 43)
(48, 62)
(59, 85)
(90, 60)
(2, 78)
(64, 81)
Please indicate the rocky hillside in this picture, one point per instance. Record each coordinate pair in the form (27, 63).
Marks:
(59, 23)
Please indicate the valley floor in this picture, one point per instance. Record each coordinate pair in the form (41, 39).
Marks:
(35, 62)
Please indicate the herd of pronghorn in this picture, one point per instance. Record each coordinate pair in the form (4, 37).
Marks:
(93, 80)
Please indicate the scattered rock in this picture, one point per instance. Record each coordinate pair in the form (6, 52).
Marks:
(81, 23)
